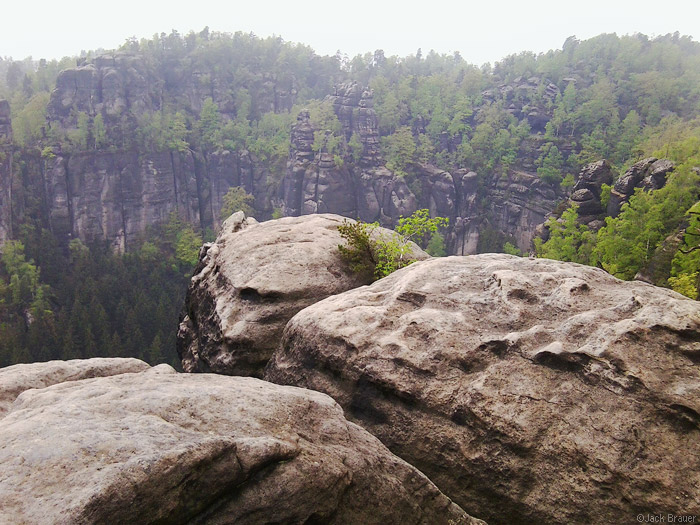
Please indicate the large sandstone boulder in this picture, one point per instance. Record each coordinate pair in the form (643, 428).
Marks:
(528, 390)
(16, 379)
(251, 281)
(162, 447)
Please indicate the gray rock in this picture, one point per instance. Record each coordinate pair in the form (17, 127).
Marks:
(5, 172)
(16, 379)
(649, 174)
(251, 281)
(162, 447)
(585, 194)
(593, 176)
(361, 188)
(528, 390)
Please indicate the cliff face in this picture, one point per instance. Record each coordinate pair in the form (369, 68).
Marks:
(98, 193)
(116, 194)
(514, 205)
(116, 83)
(5, 172)
(361, 188)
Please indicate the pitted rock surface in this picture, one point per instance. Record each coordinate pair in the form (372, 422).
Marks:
(162, 447)
(251, 281)
(528, 390)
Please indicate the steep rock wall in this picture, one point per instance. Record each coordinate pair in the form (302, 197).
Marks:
(514, 204)
(116, 193)
(5, 172)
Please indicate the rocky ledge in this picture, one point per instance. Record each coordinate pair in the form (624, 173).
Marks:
(156, 446)
(528, 390)
(16, 379)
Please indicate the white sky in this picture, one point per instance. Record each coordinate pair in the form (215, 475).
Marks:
(482, 31)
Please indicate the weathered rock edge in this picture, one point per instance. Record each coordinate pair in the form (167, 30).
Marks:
(529, 391)
(162, 447)
(16, 379)
(252, 280)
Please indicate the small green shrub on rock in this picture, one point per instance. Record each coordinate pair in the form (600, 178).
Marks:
(377, 255)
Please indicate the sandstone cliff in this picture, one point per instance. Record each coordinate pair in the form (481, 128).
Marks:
(513, 205)
(115, 191)
(5, 172)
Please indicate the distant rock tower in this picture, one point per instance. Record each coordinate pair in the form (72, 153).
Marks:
(5, 172)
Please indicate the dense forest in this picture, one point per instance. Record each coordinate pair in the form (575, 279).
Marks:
(615, 98)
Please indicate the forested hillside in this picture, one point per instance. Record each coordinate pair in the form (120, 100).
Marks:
(118, 164)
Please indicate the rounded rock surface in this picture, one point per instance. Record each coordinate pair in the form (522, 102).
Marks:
(528, 390)
(16, 379)
(163, 447)
(251, 281)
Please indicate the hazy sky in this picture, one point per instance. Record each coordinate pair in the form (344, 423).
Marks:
(482, 31)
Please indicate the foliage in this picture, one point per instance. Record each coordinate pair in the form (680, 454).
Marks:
(29, 122)
(568, 240)
(685, 266)
(375, 255)
(359, 251)
(184, 242)
(551, 164)
(628, 242)
(209, 125)
(605, 191)
(417, 226)
(88, 302)
(685, 284)
(567, 182)
(644, 236)
(236, 198)
(511, 249)
(399, 150)
(159, 131)
(436, 245)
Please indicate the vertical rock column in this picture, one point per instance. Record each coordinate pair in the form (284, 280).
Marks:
(5, 172)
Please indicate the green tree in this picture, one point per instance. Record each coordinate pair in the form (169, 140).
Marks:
(511, 249)
(177, 133)
(28, 123)
(209, 125)
(99, 131)
(628, 242)
(399, 150)
(236, 198)
(187, 246)
(629, 138)
(436, 245)
(551, 165)
(568, 240)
